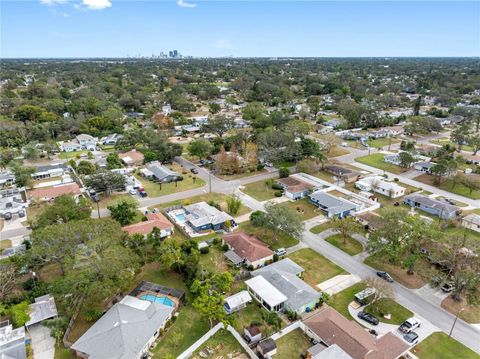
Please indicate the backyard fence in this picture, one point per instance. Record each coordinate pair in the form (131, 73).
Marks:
(295, 325)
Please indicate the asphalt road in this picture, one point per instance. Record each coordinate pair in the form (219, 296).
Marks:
(464, 332)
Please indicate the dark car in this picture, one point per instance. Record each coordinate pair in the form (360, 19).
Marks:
(143, 194)
(447, 287)
(7, 216)
(411, 338)
(368, 318)
(386, 276)
(194, 170)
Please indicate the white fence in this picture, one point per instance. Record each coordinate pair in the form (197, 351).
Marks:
(195, 346)
(295, 325)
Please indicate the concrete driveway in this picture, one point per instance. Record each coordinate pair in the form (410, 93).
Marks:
(43, 345)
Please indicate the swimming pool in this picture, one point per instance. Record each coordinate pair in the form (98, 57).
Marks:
(161, 300)
(180, 217)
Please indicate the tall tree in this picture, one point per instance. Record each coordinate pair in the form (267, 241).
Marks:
(106, 181)
(64, 209)
(346, 227)
(124, 211)
(219, 125)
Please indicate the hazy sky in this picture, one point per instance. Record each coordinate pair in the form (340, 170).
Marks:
(98, 28)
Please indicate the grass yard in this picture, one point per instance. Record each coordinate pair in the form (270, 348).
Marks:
(153, 188)
(470, 312)
(292, 345)
(34, 210)
(341, 300)
(383, 142)
(5, 243)
(282, 240)
(399, 313)
(214, 261)
(224, 345)
(376, 160)
(63, 353)
(260, 190)
(317, 268)
(241, 175)
(351, 246)
(249, 315)
(337, 151)
(324, 176)
(450, 186)
(303, 207)
(106, 201)
(439, 346)
(321, 227)
(70, 155)
(446, 141)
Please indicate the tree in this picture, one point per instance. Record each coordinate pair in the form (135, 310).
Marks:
(106, 181)
(113, 161)
(7, 155)
(298, 128)
(280, 219)
(23, 175)
(210, 306)
(383, 292)
(219, 125)
(124, 211)
(307, 166)
(20, 313)
(64, 209)
(346, 227)
(200, 148)
(328, 141)
(234, 203)
(283, 172)
(8, 280)
(86, 168)
(250, 156)
(313, 103)
(416, 106)
(474, 142)
(443, 168)
(214, 108)
(471, 182)
(406, 159)
(460, 135)
(30, 152)
(422, 125)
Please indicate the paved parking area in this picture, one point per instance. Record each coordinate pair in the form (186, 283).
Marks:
(433, 295)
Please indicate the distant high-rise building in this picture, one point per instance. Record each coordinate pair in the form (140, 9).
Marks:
(170, 54)
(175, 53)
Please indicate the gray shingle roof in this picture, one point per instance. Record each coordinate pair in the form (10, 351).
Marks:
(200, 214)
(432, 203)
(161, 172)
(123, 331)
(332, 203)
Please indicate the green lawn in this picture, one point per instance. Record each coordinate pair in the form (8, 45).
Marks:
(376, 160)
(324, 176)
(341, 300)
(337, 151)
(382, 142)
(446, 141)
(399, 313)
(214, 261)
(439, 346)
(282, 240)
(153, 188)
(63, 353)
(224, 345)
(321, 227)
(303, 207)
(70, 155)
(450, 186)
(260, 190)
(351, 246)
(317, 268)
(292, 345)
(250, 315)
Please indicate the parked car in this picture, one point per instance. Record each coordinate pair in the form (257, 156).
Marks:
(369, 318)
(7, 216)
(447, 287)
(386, 276)
(21, 213)
(142, 194)
(280, 252)
(194, 170)
(132, 192)
(409, 325)
(411, 338)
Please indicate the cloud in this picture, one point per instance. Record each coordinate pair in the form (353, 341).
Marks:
(182, 3)
(52, 2)
(96, 4)
(223, 44)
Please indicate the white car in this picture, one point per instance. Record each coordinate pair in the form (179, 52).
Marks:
(409, 325)
(281, 252)
(133, 192)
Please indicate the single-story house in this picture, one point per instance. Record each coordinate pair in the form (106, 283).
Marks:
(329, 327)
(154, 220)
(394, 158)
(12, 342)
(346, 174)
(426, 149)
(157, 172)
(332, 205)
(321, 351)
(267, 348)
(111, 139)
(80, 142)
(203, 217)
(126, 331)
(132, 158)
(7, 178)
(49, 193)
(432, 206)
(279, 287)
(12, 203)
(44, 308)
(472, 221)
(49, 171)
(251, 250)
(474, 159)
(380, 185)
(370, 220)
(294, 188)
(424, 166)
(236, 302)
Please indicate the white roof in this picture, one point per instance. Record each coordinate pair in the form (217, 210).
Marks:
(238, 299)
(380, 182)
(266, 291)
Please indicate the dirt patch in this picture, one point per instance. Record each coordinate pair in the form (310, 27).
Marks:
(470, 313)
(412, 281)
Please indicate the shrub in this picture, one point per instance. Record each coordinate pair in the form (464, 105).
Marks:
(250, 268)
(275, 258)
(396, 179)
(204, 250)
(257, 218)
(91, 315)
(225, 247)
(214, 204)
(260, 167)
(216, 241)
(278, 193)
(276, 186)
(283, 172)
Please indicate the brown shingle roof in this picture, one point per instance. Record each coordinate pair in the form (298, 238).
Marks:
(131, 156)
(294, 184)
(154, 220)
(333, 328)
(248, 247)
(55, 191)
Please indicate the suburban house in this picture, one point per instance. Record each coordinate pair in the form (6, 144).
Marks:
(50, 193)
(472, 159)
(236, 302)
(203, 217)
(380, 185)
(111, 140)
(432, 206)
(7, 179)
(154, 220)
(278, 287)
(126, 331)
(294, 188)
(12, 202)
(49, 171)
(42, 309)
(320, 351)
(333, 206)
(80, 142)
(12, 342)
(155, 171)
(330, 328)
(394, 158)
(424, 166)
(345, 174)
(472, 221)
(248, 249)
(132, 158)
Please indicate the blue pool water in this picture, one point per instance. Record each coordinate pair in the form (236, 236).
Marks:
(161, 300)
(180, 217)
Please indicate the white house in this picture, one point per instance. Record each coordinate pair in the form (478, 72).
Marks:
(380, 185)
(81, 142)
(472, 221)
(236, 302)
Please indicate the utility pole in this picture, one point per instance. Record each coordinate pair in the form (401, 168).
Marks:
(455, 321)
(210, 181)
